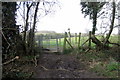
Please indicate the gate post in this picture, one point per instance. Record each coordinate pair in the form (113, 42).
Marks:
(75, 38)
(79, 41)
(64, 44)
(89, 40)
(57, 44)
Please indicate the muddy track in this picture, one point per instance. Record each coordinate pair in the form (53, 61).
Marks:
(61, 66)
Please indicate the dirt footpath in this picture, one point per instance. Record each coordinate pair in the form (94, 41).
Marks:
(61, 66)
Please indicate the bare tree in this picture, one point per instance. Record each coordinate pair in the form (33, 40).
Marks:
(102, 45)
(32, 12)
(32, 31)
(29, 5)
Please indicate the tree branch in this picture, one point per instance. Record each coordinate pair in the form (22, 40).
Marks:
(114, 43)
(17, 57)
(112, 24)
(117, 26)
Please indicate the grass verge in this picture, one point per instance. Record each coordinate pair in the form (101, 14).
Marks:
(102, 62)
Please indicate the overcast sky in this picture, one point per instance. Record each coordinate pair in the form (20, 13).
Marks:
(69, 16)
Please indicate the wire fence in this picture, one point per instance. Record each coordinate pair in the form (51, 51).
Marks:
(58, 43)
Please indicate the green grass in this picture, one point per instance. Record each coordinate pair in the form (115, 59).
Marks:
(114, 39)
(101, 62)
(109, 69)
(52, 42)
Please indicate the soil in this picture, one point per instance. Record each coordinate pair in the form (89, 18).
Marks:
(51, 65)
(61, 66)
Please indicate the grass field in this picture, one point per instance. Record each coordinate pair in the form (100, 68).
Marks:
(52, 43)
(104, 62)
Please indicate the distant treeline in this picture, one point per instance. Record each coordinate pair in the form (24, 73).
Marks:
(54, 35)
(51, 35)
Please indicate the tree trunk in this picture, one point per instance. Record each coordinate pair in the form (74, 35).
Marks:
(94, 20)
(26, 25)
(32, 32)
(99, 43)
(111, 26)
(26, 28)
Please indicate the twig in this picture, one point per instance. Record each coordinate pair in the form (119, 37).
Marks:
(17, 57)
(69, 44)
(9, 29)
(5, 40)
(114, 43)
(53, 69)
(85, 42)
(35, 59)
(87, 50)
(31, 74)
(44, 68)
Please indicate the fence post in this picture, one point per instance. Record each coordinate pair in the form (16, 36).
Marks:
(42, 40)
(60, 44)
(39, 41)
(64, 44)
(89, 39)
(49, 41)
(57, 43)
(60, 41)
(75, 38)
(69, 36)
(79, 40)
